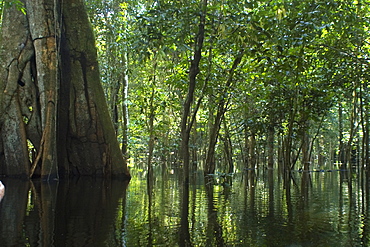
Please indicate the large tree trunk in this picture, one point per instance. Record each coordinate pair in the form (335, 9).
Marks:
(51, 99)
(16, 53)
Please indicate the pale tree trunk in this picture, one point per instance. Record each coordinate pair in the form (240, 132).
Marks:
(125, 116)
(51, 99)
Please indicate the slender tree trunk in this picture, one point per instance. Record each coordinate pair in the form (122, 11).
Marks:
(353, 130)
(270, 146)
(113, 81)
(319, 150)
(364, 124)
(246, 147)
(151, 120)
(228, 149)
(114, 106)
(306, 159)
(281, 165)
(221, 110)
(187, 120)
(125, 116)
(195, 144)
(341, 153)
(210, 164)
(288, 140)
(366, 142)
(252, 150)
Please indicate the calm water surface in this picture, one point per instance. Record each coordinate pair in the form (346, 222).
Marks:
(254, 208)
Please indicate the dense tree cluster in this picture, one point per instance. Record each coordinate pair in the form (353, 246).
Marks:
(215, 83)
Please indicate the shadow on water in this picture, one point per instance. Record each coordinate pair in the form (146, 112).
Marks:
(80, 212)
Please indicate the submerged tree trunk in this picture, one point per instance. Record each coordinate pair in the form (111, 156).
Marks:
(270, 146)
(228, 146)
(51, 99)
(252, 150)
(288, 140)
(306, 147)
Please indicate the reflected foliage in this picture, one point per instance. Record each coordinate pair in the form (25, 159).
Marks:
(260, 208)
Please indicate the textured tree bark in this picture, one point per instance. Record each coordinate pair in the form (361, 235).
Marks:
(16, 52)
(51, 99)
(44, 30)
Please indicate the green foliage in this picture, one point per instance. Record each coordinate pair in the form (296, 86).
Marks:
(10, 3)
(300, 59)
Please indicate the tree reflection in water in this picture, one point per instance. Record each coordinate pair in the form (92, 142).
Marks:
(81, 212)
(260, 208)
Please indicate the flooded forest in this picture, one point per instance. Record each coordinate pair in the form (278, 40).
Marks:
(185, 123)
(227, 85)
(246, 123)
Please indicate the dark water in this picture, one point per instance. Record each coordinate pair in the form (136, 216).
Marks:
(255, 208)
